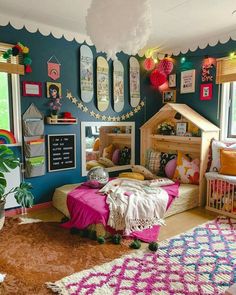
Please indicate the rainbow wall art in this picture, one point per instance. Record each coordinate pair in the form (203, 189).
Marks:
(6, 137)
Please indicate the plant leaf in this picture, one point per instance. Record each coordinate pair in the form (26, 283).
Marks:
(8, 160)
(23, 196)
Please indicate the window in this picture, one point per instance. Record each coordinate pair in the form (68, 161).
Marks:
(10, 113)
(228, 111)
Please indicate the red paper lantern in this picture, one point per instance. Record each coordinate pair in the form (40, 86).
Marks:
(149, 64)
(157, 78)
(165, 66)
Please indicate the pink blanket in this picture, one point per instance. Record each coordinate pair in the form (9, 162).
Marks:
(87, 206)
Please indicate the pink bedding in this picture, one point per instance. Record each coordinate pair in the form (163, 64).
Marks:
(87, 206)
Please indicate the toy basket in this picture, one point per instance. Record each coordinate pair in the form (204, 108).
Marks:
(221, 193)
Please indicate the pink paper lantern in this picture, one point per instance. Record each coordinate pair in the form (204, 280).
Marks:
(157, 78)
(149, 64)
(165, 66)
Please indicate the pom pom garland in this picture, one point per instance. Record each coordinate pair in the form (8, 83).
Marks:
(101, 240)
(15, 51)
(116, 239)
(153, 246)
(135, 244)
(157, 78)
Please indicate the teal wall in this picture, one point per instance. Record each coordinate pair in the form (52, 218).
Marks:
(42, 48)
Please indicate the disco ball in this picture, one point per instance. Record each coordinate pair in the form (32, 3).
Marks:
(97, 177)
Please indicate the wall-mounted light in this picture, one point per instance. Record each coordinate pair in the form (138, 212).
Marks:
(232, 54)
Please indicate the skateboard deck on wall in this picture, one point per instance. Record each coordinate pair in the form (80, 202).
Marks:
(134, 81)
(86, 73)
(118, 86)
(102, 84)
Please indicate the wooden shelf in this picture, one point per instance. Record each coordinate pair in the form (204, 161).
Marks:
(119, 134)
(61, 121)
(175, 138)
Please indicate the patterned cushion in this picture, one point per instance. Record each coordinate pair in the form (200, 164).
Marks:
(215, 148)
(116, 157)
(106, 162)
(144, 171)
(165, 158)
(187, 171)
(108, 151)
(153, 163)
(132, 175)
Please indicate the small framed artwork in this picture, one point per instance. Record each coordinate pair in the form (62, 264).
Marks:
(32, 88)
(53, 90)
(181, 128)
(187, 84)
(172, 80)
(206, 91)
(169, 96)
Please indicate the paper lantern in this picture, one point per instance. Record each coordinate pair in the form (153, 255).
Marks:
(124, 25)
(165, 66)
(149, 64)
(157, 78)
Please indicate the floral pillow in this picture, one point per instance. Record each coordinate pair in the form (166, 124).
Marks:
(187, 170)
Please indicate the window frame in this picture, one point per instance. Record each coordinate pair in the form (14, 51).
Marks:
(14, 103)
(226, 112)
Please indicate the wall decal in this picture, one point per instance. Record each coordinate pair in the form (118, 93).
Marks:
(187, 81)
(98, 116)
(134, 81)
(53, 90)
(102, 84)
(118, 86)
(86, 73)
(54, 68)
(206, 91)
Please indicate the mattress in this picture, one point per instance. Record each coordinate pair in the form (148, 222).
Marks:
(188, 199)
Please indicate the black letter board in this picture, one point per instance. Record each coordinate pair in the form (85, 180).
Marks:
(61, 152)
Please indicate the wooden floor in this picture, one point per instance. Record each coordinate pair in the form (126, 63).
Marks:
(175, 225)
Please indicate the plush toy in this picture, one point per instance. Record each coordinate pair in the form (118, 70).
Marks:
(227, 205)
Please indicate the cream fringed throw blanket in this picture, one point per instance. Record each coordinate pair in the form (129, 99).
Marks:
(135, 205)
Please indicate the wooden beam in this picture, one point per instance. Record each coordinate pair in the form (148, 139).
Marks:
(12, 68)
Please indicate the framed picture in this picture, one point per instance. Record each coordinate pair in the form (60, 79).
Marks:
(169, 96)
(187, 84)
(172, 80)
(181, 128)
(206, 91)
(53, 90)
(32, 88)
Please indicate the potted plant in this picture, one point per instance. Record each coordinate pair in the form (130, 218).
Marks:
(55, 106)
(22, 193)
(166, 128)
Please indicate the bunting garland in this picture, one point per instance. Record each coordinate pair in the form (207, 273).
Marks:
(98, 116)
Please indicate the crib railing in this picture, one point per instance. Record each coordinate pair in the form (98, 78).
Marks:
(221, 195)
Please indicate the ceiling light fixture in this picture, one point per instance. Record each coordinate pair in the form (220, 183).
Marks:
(119, 25)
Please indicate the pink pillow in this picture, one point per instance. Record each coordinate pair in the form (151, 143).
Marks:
(116, 157)
(170, 168)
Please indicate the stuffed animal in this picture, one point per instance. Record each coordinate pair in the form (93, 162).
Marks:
(125, 156)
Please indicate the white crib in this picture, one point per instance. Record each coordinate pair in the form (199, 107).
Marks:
(221, 193)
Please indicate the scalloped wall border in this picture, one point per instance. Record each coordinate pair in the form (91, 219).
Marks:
(58, 33)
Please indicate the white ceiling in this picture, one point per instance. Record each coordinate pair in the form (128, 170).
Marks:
(176, 24)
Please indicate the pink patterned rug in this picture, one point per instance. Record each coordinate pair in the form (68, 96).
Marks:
(201, 261)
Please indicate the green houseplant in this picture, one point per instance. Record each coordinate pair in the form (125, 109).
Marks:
(22, 193)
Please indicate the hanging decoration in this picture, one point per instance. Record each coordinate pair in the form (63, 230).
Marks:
(102, 84)
(98, 116)
(110, 34)
(19, 48)
(157, 78)
(208, 68)
(6, 137)
(118, 86)
(165, 66)
(149, 64)
(53, 68)
(134, 81)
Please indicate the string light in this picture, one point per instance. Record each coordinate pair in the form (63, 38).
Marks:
(232, 54)
(183, 59)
